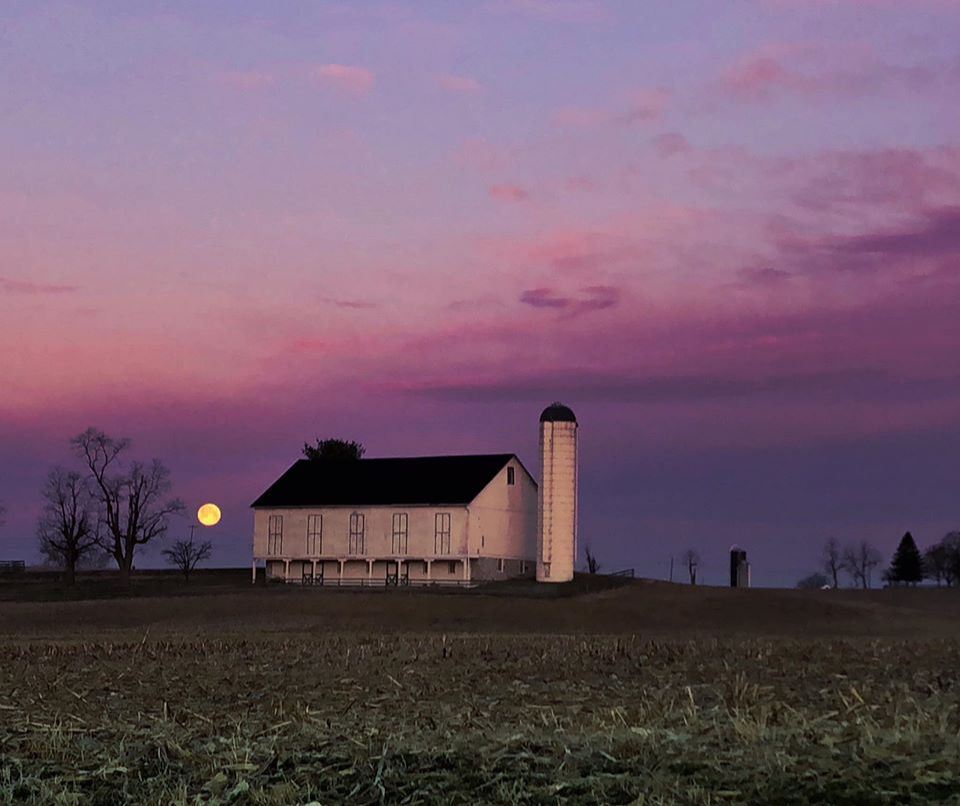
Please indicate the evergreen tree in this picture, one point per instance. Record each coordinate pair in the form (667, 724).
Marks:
(907, 564)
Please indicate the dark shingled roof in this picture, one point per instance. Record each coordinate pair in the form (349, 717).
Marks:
(437, 480)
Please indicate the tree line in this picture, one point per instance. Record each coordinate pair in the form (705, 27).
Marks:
(908, 566)
(109, 508)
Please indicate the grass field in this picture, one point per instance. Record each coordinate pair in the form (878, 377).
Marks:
(643, 693)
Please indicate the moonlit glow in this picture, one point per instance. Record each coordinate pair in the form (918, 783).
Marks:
(209, 514)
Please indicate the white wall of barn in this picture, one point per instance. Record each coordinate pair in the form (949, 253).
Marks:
(378, 531)
(503, 517)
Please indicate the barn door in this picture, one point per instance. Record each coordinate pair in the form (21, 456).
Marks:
(393, 568)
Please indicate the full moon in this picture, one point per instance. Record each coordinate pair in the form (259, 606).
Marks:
(209, 514)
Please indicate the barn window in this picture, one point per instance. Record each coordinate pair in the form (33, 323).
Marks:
(511, 476)
(275, 535)
(500, 565)
(400, 532)
(441, 533)
(356, 534)
(452, 567)
(314, 534)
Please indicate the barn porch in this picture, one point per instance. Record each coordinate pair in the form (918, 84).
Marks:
(370, 572)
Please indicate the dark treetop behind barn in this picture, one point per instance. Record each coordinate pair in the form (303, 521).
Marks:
(379, 482)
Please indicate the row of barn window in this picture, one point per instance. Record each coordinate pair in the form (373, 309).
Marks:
(356, 542)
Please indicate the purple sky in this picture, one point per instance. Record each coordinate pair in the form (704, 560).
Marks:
(726, 234)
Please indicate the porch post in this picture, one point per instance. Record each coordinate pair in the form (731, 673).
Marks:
(286, 570)
(340, 573)
(429, 570)
(253, 575)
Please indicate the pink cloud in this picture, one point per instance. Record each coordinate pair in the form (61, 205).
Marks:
(766, 277)
(776, 70)
(544, 298)
(9, 286)
(588, 253)
(553, 10)
(248, 80)
(589, 298)
(508, 193)
(346, 78)
(480, 155)
(670, 144)
(580, 183)
(756, 77)
(460, 85)
(645, 106)
(355, 304)
(882, 179)
(307, 346)
(580, 117)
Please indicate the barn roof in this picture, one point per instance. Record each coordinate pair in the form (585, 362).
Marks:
(423, 480)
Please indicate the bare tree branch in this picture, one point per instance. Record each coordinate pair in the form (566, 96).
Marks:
(831, 561)
(185, 555)
(66, 529)
(858, 561)
(593, 564)
(134, 507)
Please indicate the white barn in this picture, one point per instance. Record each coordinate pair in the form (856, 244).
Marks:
(418, 520)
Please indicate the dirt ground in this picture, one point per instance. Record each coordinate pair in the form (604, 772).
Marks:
(226, 604)
(636, 693)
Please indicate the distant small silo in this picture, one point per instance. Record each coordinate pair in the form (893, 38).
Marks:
(557, 495)
(739, 568)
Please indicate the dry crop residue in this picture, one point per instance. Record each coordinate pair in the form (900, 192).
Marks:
(474, 719)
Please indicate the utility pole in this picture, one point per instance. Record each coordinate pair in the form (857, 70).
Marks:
(671, 568)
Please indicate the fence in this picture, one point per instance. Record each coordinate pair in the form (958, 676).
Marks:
(361, 582)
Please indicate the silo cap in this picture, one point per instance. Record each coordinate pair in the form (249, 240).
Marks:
(558, 413)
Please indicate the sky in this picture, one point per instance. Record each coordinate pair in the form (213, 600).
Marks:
(726, 234)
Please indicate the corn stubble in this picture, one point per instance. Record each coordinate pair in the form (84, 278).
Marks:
(474, 719)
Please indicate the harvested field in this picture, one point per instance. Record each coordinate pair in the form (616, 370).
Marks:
(154, 701)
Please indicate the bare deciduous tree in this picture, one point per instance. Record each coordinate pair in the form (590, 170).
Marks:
(691, 559)
(185, 555)
(832, 560)
(593, 564)
(133, 503)
(942, 560)
(66, 529)
(859, 561)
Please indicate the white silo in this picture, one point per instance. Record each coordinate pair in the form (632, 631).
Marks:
(557, 495)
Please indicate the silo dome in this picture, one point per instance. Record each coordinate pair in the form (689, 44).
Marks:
(558, 413)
